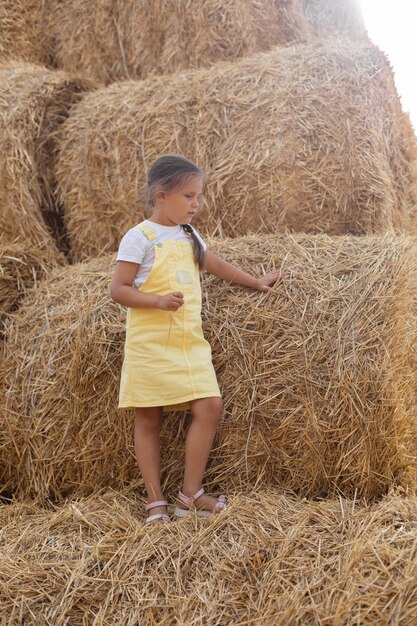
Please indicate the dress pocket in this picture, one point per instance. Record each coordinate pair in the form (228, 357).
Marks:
(182, 274)
(182, 279)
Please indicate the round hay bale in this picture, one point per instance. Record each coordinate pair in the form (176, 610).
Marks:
(318, 376)
(163, 36)
(336, 17)
(22, 32)
(307, 138)
(285, 560)
(34, 102)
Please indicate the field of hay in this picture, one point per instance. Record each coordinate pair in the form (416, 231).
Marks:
(311, 168)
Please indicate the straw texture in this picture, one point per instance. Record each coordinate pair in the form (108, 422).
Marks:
(20, 270)
(335, 17)
(22, 35)
(307, 138)
(269, 559)
(33, 103)
(318, 376)
(117, 39)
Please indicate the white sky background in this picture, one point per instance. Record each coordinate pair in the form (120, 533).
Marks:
(392, 26)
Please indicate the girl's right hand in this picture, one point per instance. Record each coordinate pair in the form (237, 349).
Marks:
(171, 301)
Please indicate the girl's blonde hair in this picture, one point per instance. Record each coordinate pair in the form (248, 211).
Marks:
(171, 171)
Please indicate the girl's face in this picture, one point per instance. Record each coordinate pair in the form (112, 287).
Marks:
(179, 205)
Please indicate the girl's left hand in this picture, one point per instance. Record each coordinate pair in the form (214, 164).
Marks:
(264, 282)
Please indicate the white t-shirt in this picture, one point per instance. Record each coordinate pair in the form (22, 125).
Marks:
(136, 248)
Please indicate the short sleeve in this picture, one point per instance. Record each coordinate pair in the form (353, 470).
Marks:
(201, 240)
(132, 246)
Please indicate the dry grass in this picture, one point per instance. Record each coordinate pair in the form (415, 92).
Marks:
(20, 270)
(22, 35)
(308, 138)
(34, 102)
(163, 36)
(110, 40)
(269, 559)
(318, 377)
(336, 17)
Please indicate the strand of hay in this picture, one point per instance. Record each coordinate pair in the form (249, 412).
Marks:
(318, 377)
(163, 36)
(22, 35)
(307, 138)
(269, 559)
(336, 17)
(34, 102)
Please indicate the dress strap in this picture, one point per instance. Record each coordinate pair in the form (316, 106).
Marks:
(147, 231)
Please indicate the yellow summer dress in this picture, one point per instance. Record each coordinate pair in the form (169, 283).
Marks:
(167, 361)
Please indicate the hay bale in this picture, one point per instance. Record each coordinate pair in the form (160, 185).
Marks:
(318, 377)
(33, 104)
(336, 17)
(163, 36)
(22, 32)
(270, 559)
(307, 138)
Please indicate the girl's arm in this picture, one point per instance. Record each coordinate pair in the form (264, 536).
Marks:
(121, 291)
(221, 268)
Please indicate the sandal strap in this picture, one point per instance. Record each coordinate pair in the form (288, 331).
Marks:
(153, 505)
(157, 516)
(189, 500)
(198, 494)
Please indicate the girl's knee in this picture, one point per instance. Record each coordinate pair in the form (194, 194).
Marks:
(149, 418)
(208, 408)
(216, 405)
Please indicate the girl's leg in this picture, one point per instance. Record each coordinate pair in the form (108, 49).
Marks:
(148, 423)
(206, 416)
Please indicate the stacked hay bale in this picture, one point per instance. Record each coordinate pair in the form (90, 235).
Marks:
(115, 40)
(331, 170)
(164, 36)
(33, 104)
(318, 377)
(317, 146)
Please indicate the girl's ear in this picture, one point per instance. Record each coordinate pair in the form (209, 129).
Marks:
(160, 195)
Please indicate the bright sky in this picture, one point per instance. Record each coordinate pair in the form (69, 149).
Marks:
(392, 26)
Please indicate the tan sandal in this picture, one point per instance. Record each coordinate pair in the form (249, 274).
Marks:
(163, 517)
(220, 506)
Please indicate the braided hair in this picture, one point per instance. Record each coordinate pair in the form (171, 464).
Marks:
(168, 172)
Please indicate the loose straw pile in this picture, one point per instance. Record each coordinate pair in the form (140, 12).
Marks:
(318, 377)
(308, 138)
(269, 559)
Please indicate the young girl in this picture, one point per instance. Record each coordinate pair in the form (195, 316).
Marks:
(167, 362)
